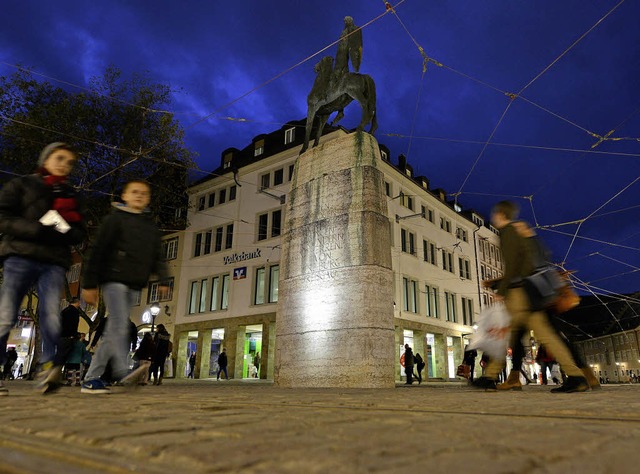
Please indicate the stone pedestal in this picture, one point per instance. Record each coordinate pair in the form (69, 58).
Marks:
(334, 326)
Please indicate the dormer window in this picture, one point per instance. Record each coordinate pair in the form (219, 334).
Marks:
(227, 161)
(384, 156)
(289, 135)
(259, 148)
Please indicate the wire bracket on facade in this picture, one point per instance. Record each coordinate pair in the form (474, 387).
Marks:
(400, 218)
(281, 198)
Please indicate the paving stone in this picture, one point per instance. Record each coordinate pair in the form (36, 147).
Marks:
(203, 426)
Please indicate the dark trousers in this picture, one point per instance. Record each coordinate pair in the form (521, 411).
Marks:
(157, 368)
(65, 344)
(408, 370)
(223, 369)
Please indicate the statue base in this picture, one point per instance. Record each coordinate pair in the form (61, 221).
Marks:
(334, 326)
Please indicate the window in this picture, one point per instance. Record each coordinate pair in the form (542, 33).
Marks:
(447, 261)
(265, 181)
(467, 311)
(266, 285)
(450, 302)
(203, 240)
(429, 250)
(289, 135)
(219, 296)
(222, 196)
(445, 224)
(278, 177)
(227, 161)
(276, 218)
(212, 199)
(263, 220)
(232, 193)
(408, 172)
(406, 200)
(291, 169)
(73, 274)
(269, 224)
(387, 188)
(209, 294)
(408, 241)
(432, 301)
(201, 203)
(462, 234)
(219, 235)
(384, 156)
(228, 243)
(259, 148)
(410, 295)
(170, 249)
(465, 268)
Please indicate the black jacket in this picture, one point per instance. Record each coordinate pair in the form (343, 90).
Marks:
(23, 201)
(222, 359)
(70, 318)
(127, 250)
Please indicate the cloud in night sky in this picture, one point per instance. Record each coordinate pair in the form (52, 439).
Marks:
(211, 53)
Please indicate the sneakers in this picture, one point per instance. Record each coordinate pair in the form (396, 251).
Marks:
(484, 383)
(95, 387)
(3, 390)
(49, 379)
(512, 382)
(573, 384)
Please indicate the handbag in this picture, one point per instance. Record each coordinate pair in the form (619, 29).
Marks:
(543, 287)
(567, 298)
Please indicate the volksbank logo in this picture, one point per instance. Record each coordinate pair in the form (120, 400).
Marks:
(240, 257)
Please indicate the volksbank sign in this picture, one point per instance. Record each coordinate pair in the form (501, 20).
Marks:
(240, 257)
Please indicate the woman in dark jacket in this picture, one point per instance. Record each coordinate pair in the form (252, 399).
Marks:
(40, 220)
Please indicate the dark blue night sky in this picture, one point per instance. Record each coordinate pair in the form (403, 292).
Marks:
(574, 67)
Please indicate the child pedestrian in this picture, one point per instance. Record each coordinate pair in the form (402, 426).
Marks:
(40, 220)
(126, 252)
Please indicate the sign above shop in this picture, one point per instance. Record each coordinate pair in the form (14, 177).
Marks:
(242, 256)
(240, 273)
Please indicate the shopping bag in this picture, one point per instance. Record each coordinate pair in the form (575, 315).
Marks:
(464, 370)
(492, 335)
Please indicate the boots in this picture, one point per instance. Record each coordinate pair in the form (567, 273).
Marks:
(512, 382)
(592, 380)
(573, 384)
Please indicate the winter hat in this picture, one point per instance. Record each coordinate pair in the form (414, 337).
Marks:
(50, 148)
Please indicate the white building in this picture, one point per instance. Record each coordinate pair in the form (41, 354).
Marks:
(229, 267)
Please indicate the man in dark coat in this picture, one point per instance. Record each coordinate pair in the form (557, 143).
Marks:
(408, 364)
(162, 340)
(70, 318)
(222, 364)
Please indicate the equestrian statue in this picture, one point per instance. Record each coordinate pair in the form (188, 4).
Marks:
(335, 86)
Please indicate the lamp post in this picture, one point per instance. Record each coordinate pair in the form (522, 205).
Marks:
(155, 310)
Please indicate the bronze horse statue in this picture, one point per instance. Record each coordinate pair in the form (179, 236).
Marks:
(332, 91)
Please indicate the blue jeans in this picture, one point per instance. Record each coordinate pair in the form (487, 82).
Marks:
(20, 274)
(114, 343)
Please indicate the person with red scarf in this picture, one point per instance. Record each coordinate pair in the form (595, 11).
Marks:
(40, 220)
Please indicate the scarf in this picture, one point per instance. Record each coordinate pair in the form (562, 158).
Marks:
(63, 198)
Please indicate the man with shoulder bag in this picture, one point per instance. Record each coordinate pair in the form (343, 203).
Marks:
(518, 257)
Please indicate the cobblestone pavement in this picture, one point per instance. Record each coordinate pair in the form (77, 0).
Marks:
(254, 427)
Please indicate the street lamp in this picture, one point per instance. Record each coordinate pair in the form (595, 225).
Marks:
(155, 310)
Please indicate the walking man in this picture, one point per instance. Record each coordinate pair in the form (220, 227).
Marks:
(518, 258)
(222, 364)
(126, 252)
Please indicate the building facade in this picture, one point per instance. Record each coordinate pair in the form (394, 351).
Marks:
(228, 283)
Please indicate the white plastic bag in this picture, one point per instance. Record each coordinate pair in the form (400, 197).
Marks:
(494, 329)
